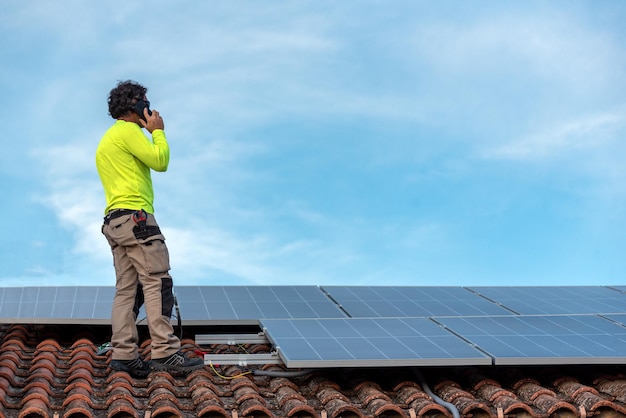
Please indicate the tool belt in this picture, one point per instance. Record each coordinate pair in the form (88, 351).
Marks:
(140, 217)
(116, 213)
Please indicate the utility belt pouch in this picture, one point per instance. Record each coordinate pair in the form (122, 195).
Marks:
(146, 231)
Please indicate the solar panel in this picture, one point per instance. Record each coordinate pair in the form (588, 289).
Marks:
(52, 304)
(418, 301)
(368, 342)
(557, 300)
(198, 304)
(535, 340)
(248, 304)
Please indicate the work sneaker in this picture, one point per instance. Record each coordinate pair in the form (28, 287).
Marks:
(136, 368)
(177, 362)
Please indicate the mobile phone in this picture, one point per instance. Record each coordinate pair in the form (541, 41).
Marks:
(140, 106)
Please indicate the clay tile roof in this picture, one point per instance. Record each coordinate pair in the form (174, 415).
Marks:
(46, 372)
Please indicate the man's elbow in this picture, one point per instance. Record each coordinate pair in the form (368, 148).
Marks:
(162, 163)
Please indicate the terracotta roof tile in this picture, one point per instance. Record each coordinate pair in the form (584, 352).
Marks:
(122, 407)
(34, 407)
(465, 402)
(613, 386)
(55, 372)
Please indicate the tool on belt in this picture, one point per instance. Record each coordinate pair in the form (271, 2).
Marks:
(140, 217)
(141, 229)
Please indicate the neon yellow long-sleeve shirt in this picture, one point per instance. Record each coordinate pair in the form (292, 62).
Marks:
(124, 159)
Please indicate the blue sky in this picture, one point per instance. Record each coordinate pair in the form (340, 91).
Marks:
(326, 142)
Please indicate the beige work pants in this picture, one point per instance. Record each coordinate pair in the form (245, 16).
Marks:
(140, 265)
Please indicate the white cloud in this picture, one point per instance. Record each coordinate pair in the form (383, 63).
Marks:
(557, 47)
(206, 255)
(582, 135)
(75, 197)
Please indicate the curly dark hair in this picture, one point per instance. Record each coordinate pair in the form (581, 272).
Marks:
(124, 96)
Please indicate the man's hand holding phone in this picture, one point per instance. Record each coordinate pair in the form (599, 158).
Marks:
(148, 119)
(152, 120)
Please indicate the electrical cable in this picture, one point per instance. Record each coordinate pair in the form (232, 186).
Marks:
(180, 319)
(228, 377)
(449, 406)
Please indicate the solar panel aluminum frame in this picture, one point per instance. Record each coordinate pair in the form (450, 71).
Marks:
(408, 362)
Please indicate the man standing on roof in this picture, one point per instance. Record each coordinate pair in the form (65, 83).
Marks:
(124, 159)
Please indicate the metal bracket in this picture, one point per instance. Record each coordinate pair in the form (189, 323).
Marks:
(238, 359)
(242, 359)
(231, 339)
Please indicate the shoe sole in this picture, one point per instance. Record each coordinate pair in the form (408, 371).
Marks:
(171, 368)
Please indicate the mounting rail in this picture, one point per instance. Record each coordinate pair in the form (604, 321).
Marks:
(238, 359)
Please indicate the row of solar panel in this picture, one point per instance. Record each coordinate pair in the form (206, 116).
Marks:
(248, 304)
(373, 326)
